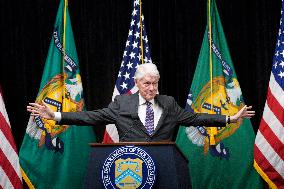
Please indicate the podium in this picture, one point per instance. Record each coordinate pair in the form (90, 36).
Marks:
(171, 165)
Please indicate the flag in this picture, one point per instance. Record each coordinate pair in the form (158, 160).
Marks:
(269, 142)
(219, 157)
(136, 52)
(51, 155)
(10, 174)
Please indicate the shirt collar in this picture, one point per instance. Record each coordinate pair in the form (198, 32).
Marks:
(142, 100)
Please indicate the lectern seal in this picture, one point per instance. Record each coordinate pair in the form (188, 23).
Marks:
(129, 167)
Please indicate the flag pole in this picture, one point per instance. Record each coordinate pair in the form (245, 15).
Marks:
(213, 130)
(64, 102)
(141, 34)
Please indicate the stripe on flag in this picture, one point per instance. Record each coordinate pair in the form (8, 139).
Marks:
(9, 159)
(4, 180)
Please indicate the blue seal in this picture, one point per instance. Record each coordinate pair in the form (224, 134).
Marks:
(129, 167)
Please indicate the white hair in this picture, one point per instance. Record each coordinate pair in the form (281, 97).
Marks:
(146, 69)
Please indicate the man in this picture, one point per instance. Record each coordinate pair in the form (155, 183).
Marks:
(143, 116)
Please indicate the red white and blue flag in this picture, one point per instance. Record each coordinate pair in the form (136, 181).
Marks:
(269, 142)
(10, 174)
(136, 52)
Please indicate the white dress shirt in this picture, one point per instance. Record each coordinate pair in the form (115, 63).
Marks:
(142, 110)
(57, 116)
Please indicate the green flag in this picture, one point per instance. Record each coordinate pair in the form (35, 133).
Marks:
(51, 155)
(224, 160)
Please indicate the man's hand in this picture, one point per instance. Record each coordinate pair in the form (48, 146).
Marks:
(245, 112)
(40, 110)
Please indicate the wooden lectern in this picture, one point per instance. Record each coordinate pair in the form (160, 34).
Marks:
(171, 165)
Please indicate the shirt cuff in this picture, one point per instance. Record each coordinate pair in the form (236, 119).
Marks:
(57, 116)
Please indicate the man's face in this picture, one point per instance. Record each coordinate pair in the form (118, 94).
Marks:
(148, 86)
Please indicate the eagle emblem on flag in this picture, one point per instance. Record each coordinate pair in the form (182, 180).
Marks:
(226, 101)
(47, 131)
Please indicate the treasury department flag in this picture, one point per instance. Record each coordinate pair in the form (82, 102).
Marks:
(10, 174)
(219, 158)
(136, 52)
(51, 155)
(269, 142)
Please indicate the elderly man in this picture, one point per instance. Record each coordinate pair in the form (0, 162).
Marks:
(143, 116)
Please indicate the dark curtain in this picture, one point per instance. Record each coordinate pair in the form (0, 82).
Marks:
(175, 30)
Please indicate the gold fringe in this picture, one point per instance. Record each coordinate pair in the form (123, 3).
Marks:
(264, 176)
(27, 180)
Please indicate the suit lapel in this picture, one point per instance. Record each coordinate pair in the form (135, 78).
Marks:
(133, 105)
(162, 104)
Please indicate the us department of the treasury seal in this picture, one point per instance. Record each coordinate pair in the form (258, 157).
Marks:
(129, 167)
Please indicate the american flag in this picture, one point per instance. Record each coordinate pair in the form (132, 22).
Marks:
(10, 175)
(269, 142)
(132, 57)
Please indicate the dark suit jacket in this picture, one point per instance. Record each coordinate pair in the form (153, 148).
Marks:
(123, 112)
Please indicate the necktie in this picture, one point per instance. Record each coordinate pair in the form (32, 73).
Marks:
(149, 121)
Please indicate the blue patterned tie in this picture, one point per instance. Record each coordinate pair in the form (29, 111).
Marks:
(149, 121)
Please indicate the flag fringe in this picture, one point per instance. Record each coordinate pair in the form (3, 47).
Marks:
(27, 180)
(264, 176)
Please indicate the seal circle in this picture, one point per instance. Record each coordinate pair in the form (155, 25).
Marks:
(129, 163)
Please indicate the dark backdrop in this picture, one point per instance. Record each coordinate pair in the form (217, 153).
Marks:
(175, 31)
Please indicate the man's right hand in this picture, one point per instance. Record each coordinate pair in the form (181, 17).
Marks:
(245, 112)
(41, 110)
